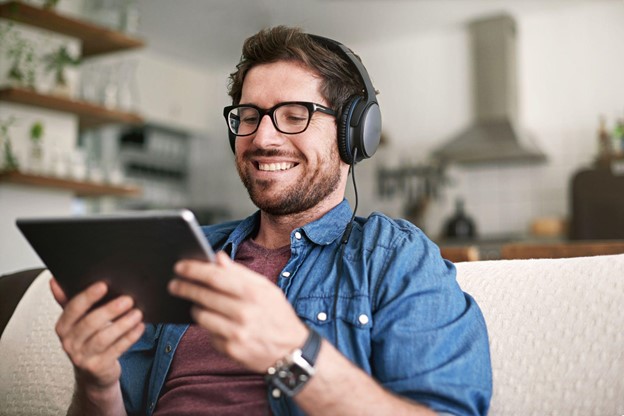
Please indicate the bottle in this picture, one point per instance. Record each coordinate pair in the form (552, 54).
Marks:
(605, 146)
(460, 225)
(618, 137)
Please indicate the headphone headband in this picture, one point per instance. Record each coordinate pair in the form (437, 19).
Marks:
(346, 53)
(359, 125)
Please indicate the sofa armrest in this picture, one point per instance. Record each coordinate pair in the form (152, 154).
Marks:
(555, 328)
(12, 288)
(37, 376)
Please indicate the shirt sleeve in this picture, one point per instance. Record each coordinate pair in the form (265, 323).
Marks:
(429, 341)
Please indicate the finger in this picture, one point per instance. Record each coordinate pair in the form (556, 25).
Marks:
(101, 363)
(103, 339)
(126, 341)
(205, 297)
(227, 277)
(196, 270)
(222, 259)
(58, 293)
(244, 275)
(99, 318)
(78, 306)
(208, 274)
(228, 338)
(216, 324)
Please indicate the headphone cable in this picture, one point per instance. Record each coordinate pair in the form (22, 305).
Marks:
(343, 243)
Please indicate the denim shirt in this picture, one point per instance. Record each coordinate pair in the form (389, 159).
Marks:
(399, 314)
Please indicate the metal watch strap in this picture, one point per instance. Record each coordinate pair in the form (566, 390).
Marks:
(311, 347)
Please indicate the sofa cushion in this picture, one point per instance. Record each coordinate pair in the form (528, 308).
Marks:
(12, 288)
(556, 330)
(37, 377)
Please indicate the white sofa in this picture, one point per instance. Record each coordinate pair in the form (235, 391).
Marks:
(556, 331)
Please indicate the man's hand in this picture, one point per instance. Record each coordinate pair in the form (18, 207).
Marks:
(95, 339)
(251, 320)
(249, 317)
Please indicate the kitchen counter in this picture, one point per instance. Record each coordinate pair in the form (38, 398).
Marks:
(526, 247)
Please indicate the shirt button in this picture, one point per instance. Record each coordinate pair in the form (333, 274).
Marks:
(298, 235)
(286, 274)
(151, 405)
(168, 348)
(276, 393)
(363, 319)
(322, 316)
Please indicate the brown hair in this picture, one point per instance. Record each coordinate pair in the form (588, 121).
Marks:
(339, 82)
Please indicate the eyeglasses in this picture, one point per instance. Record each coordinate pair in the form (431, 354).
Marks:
(290, 117)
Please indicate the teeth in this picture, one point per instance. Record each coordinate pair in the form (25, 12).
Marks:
(275, 166)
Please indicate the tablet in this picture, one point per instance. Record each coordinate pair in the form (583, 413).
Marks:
(134, 253)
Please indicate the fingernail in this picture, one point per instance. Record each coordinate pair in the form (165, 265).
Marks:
(135, 315)
(99, 288)
(124, 301)
(173, 285)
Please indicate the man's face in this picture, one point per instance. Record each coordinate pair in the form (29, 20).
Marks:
(289, 173)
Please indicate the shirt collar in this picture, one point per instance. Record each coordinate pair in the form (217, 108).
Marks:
(330, 226)
(323, 231)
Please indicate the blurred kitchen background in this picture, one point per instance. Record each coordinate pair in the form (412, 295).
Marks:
(502, 119)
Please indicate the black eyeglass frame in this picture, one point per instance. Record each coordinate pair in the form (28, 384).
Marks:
(312, 108)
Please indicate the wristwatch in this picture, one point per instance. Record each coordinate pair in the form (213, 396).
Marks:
(292, 372)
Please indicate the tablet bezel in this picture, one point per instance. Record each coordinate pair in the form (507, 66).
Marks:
(133, 252)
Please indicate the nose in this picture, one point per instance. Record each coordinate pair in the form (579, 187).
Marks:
(267, 135)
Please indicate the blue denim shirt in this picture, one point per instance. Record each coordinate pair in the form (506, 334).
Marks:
(400, 314)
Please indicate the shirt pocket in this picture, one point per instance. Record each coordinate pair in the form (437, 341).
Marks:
(319, 311)
(350, 332)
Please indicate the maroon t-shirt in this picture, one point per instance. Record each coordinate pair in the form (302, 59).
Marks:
(201, 380)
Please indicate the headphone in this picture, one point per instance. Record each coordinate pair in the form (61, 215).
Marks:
(359, 125)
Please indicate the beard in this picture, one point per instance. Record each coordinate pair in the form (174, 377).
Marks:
(306, 193)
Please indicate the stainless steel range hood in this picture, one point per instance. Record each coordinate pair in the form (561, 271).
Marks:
(494, 136)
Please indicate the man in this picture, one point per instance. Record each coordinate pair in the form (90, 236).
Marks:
(397, 335)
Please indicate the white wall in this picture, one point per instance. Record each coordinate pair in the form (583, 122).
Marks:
(15, 253)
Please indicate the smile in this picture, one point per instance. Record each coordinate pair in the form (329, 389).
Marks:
(273, 167)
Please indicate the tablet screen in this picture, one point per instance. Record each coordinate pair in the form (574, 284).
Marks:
(134, 253)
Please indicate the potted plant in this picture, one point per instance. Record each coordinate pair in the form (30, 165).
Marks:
(57, 62)
(50, 4)
(9, 161)
(35, 162)
(21, 53)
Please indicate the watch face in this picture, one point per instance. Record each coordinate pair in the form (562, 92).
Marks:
(291, 376)
(294, 376)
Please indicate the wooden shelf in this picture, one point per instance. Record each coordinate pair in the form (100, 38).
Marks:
(80, 188)
(95, 39)
(578, 248)
(89, 114)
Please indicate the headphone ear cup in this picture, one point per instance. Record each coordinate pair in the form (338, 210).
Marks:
(366, 134)
(344, 131)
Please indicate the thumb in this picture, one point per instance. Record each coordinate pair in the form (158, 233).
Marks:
(58, 293)
(222, 259)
